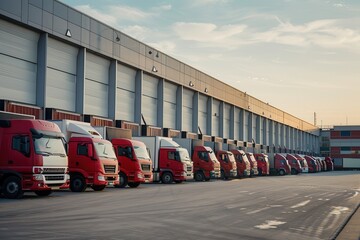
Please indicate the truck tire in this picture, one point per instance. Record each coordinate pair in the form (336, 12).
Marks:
(167, 178)
(11, 188)
(281, 172)
(77, 183)
(43, 193)
(134, 184)
(293, 171)
(199, 176)
(98, 187)
(123, 181)
(260, 172)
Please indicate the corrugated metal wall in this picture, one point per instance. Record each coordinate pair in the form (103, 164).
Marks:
(61, 75)
(237, 124)
(227, 117)
(216, 118)
(170, 90)
(150, 99)
(96, 85)
(18, 63)
(188, 101)
(125, 93)
(203, 115)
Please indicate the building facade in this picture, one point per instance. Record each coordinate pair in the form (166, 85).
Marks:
(345, 146)
(56, 62)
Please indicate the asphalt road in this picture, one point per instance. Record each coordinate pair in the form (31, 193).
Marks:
(307, 206)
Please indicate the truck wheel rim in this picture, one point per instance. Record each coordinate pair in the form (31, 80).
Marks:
(77, 183)
(167, 178)
(12, 187)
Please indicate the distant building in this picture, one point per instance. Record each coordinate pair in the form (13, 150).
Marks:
(345, 146)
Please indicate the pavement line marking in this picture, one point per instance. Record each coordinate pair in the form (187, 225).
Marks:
(355, 194)
(300, 204)
(269, 224)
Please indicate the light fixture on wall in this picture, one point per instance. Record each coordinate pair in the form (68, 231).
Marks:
(68, 33)
(150, 52)
(157, 54)
(154, 69)
(249, 107)
(206, 90)
(191, 84)
(117, 37)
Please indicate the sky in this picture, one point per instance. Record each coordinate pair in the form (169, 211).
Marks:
(301, 56)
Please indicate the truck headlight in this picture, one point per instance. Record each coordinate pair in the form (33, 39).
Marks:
(101, 178)
(38, 177)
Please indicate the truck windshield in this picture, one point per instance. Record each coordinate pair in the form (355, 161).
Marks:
(184, 155)
(48, 145)
(213, 156)
(141, 152)
(104, 149)
(231, 157)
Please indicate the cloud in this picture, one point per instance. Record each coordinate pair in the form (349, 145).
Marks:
(104, 17)
(207, 32)
(207, 2)
(327, 33)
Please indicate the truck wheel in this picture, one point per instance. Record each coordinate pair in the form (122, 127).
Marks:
(260, 172)
(223, 176)
(281, 172)
(43, 193)
(123, 181)
(77, 183)
(11, 188)
(167, 178)
(199, 176)
(293, 171)
(134, 184)
(98, 187)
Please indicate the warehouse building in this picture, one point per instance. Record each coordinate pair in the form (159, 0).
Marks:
(56, 62)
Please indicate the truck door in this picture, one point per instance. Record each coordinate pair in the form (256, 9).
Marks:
(18, 153)
(83, 160)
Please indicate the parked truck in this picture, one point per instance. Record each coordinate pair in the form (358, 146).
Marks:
(242, 163)
(329, 164)
(135, 164)
(263, 164)
(171, 162)
(92, 160)
(303, 163)
(205, 164)
(294, 163)
(253, 164)
(227, 163)
(32, 158)
(311, 163)
(279, 165)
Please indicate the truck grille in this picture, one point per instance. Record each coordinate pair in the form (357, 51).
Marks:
(54, 178)
(109, 168)
(53, 170)
(189, 169)
(145, 167)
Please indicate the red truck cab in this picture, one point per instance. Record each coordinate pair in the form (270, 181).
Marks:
(242, 163)
(134, 162)
(32, 158)
(253, 164)
(172, 162)
(312, 164)
(329, 164)
(92, 162)
(262, 164)
(303, 163)
(281, 165)
(228, 164)
(294, 163)
(206, 165)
